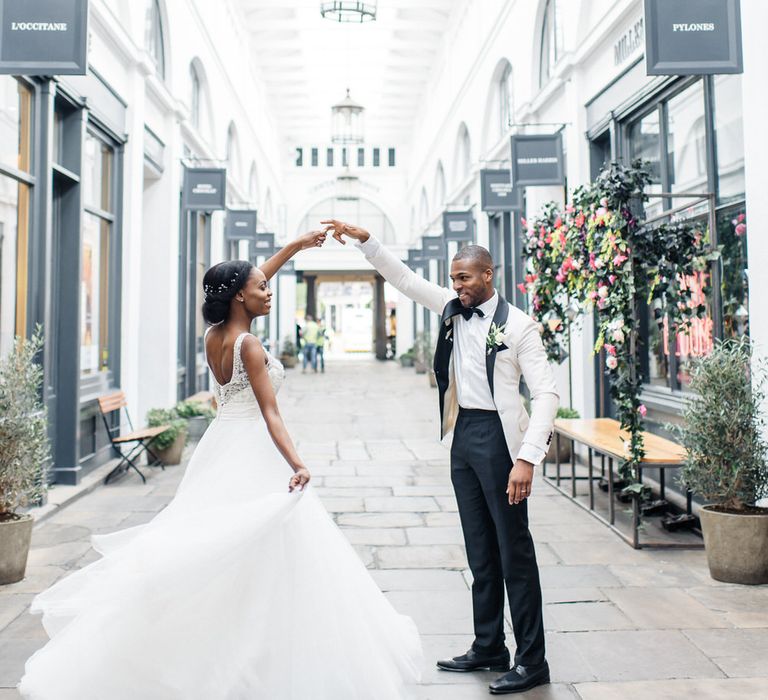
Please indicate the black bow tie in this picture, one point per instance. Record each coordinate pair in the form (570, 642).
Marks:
(467, 312)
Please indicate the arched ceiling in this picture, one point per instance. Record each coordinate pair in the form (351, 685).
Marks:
(307, 62)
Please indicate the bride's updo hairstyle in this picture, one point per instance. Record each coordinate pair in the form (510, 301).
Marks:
(220, 284)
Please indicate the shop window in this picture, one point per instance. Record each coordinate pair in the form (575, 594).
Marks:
(344, 157)
(376, 157)
(686, 143)
(15, 153)
(96, 242)
(551, 41)
(329, 157)
(315, 157)
(729, 136)
(391, 157)
(360, 157)
(153, 36)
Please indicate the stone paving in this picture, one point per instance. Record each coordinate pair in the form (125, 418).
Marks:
(620, 623)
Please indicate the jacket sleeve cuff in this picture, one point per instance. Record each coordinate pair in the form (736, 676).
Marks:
(531, 453)
(370, 247)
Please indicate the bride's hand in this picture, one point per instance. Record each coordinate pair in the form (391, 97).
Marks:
(299, 480)
(313, 239)
(339, 228)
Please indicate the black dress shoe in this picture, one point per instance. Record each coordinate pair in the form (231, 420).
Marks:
(472, 661)
(520, 679)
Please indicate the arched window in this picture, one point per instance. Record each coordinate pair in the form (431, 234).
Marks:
(551, 41)
(506, 104)
(463, 162)
(153, 36)
(253, 185)
(195, 95)
(423, 208)
(439, 191)
(233, 152)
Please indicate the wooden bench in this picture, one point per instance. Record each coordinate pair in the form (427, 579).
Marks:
(604, 437)
(115, 401)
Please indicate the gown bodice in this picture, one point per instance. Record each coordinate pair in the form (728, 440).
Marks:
(237, 392)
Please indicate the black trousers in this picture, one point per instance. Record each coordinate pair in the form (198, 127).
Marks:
(499, 545)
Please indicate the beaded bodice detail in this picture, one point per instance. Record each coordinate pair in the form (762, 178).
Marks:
(238, 388)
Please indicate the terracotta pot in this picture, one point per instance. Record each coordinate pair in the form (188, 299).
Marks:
(172, 453)
(737, 546)
(15, 536)
(288, 361)
(421, 367)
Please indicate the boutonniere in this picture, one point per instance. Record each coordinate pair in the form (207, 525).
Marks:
(449, 334)
(495, 337)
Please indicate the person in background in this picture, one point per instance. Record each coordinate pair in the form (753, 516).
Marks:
(321, 336)
(310, 344)
(392, 335)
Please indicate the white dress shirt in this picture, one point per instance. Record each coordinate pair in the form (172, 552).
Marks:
(469, 351)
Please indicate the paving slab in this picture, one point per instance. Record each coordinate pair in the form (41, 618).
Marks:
(710, 689)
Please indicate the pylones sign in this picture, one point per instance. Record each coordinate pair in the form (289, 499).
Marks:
(692, 37)
(43, 37)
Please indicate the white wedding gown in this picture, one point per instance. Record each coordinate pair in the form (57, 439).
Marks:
(237, 590)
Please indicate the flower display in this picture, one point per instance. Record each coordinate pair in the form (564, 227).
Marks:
(596, 254)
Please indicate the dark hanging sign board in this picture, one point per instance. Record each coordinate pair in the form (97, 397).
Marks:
(205, 189)
(537, 160)
(43, 37)
(415, 259)
(288, 269)
(241, 224)
(264, 244)
(693, 37)
(497, 192)
(433, 248)
(458, 226)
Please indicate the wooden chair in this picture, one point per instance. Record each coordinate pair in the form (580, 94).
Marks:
(140, 439)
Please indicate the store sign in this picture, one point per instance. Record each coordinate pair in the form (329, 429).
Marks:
(629, 43)
(693, 37)
(43, 37)
(264, 244)
(537, 160)
(204, 189)
(434, 248)
(240, 224)
(458, 226)
(415, 259)
(497, 192)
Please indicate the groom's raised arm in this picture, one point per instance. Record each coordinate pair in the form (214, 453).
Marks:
(392, 269)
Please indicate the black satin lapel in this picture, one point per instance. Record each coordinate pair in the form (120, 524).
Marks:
(499, 318)
(442, 358)
(452, 308)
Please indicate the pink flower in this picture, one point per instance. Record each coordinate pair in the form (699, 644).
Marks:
(604, 202)
(592, 295)
(602, 291)
(611, 362)
(741, 229)
(579, 220)
(558, 222)
(560, 277)
(539, 254)
(522, 288)
(612, 278)
(570, 209)
(610, 349)
(741, 217)
(642, 410)
(601, 212)
(619, 260)
(523, 222)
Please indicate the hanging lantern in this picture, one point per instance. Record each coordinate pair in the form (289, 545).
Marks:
(347, 121)
(349, 11)
(347, 186)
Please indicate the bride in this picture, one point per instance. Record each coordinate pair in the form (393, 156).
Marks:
(242, 587)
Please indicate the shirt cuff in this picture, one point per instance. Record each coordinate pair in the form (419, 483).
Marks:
(531, 453)
(370, 247)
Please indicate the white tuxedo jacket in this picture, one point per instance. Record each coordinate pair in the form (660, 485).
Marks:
(524, 356)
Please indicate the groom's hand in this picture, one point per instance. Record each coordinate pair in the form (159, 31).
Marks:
(339, 228)
(520, 478)
(312, 239)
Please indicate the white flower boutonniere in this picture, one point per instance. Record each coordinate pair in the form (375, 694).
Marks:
(495, 336)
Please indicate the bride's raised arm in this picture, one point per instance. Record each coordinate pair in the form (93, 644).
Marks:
(312, 239)
(255, 363)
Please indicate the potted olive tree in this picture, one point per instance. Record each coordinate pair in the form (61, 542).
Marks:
(723, 436)
(197, 415)
(406, 359)
(24, 452)
(169, 445)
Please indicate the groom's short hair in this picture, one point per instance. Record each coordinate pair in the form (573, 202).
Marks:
(475, 254)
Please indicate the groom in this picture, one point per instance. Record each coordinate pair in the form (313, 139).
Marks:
(484, 347)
